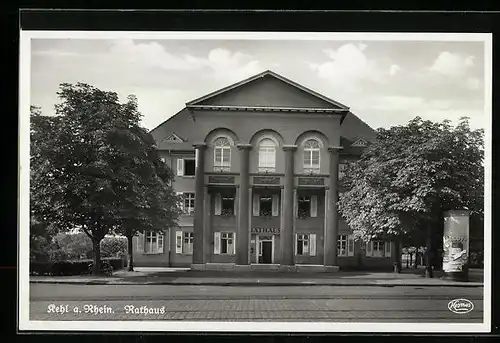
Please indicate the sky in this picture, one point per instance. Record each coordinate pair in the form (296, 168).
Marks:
(385, 83)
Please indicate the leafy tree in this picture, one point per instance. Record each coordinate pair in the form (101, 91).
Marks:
(404, 181)
(87, 168)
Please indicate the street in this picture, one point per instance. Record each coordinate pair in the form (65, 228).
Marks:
(258, 303)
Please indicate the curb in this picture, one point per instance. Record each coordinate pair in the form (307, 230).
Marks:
(268, 284)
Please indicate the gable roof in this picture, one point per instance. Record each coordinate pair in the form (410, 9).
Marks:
(268, 73)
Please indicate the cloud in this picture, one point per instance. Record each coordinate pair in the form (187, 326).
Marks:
(451, 64)
(347, 65)
(231, 65)
(151, 54)
(394, 69)
(222, 62)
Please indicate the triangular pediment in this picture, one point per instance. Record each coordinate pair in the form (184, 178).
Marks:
(267, 89)
(173, 138)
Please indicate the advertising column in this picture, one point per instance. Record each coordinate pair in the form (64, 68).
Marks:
(456, 244)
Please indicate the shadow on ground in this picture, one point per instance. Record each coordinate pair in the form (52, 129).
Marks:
(164, 276)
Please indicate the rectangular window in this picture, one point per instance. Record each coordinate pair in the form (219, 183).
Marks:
(302, 244)
(267, 161)
(153, 242)
(222, 159)
(187, 246)
(227, 206)
(266, 205)
(188, 204)
(227, 243)
(304, 207)
(341, 170)
(377, 249)
(311, 161)
(189, 167)
(342, 246)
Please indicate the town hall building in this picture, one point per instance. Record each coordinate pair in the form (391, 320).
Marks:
(257, 165)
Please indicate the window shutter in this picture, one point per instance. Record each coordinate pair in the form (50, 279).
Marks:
(296, 238)
(140, 242)
(312, 243)
(180, 167)
(369, 247)
(178, 242)
(218, 204)
(216, 243)
(256, 205)
(275, 204)
(296, 205)
(350, 246)
(234, 243)
(160, 242)
(314, 206)
(388, 249)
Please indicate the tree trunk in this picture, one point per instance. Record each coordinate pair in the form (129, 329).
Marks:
(397, 256)
(130, 254)
(96, 255)
(428, 254)
(411, 260)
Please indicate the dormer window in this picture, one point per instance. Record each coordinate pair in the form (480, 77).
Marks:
(222, 154)
(360, 143)
(311, 156)
(267, 156)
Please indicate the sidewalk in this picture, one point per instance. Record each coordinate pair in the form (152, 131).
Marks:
(171, 276)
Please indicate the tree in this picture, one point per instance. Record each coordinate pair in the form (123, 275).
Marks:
(404, 181)
(84, 166)
(150, 204)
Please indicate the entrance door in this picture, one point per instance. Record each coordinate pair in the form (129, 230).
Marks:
(267, 252)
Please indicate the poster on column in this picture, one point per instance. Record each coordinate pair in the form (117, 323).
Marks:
(455, 241)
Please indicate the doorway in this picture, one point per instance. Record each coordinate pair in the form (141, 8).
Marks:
(265, 249)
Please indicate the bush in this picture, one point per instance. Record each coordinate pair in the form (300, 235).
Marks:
(41, 268)
(105, 269)
(75, 267)
(114, 246)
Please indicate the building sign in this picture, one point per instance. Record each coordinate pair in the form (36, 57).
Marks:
(455, 241)
(221, 179)
(311, 181)
(266, 230)
(266, 180)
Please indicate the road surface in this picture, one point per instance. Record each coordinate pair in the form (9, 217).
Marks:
(262, 303)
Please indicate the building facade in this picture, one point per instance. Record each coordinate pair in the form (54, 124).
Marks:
(257, 165)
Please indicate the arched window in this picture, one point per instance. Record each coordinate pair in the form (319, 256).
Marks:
(222, 154)
(311, 156)
(267, 155)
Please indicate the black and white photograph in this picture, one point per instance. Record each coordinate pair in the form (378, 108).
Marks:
(255, 182)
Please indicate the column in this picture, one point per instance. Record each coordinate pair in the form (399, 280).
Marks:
(332, 220)
(199, 204)
(287, 246)
(207, 234)
(242, 235)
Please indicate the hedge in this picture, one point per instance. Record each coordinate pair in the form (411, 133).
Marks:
(78, 267)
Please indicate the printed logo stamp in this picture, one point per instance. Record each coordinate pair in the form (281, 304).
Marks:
(460, 306)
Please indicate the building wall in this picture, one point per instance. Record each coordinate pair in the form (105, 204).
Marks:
(196, 126)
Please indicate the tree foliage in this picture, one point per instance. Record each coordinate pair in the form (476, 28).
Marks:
(404, 181)
(94, 168)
